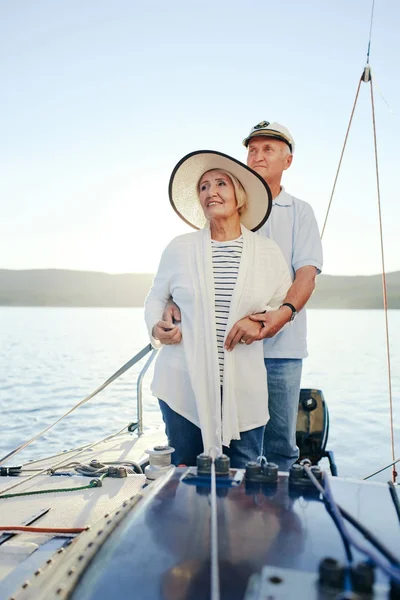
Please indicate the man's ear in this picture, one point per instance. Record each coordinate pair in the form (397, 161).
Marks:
(288, 162)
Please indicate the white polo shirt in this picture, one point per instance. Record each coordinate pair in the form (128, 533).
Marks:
(292, 225)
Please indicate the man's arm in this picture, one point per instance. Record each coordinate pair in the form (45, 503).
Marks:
(298, 295)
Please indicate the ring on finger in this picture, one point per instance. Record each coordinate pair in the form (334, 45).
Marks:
(242, 341)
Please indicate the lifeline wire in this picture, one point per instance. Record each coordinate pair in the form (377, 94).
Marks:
(61, 462)
(117, 374)
(382, 469)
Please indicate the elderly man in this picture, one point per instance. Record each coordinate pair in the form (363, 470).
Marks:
(293, 227)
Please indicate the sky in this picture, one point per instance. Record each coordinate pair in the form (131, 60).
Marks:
(99, 100)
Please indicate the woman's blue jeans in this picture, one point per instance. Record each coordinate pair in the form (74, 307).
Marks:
(186, 438)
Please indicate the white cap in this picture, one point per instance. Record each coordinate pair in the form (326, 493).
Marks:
(273, 130)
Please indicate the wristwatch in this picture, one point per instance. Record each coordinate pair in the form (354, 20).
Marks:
(292, 308)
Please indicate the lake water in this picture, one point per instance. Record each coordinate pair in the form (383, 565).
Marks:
(50, 358)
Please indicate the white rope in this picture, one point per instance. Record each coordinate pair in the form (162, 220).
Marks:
(214, 536)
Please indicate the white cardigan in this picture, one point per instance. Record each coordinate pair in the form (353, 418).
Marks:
(186, 375)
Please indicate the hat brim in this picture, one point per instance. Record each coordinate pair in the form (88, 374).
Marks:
(270, 133)
(186, 174)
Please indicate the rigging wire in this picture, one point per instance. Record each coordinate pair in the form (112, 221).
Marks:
(341, 158)
(366, 77)
(113, 377)
(23, 480)
(370, 31)
(382, 469)
(66, 453)
(384, 285)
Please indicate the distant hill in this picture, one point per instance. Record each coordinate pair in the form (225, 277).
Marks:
(55, 287)
(337, 291)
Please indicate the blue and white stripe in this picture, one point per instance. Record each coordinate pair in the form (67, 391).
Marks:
(226, 261)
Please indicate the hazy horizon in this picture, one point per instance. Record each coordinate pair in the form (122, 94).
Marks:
(153, 272)
(100, 101)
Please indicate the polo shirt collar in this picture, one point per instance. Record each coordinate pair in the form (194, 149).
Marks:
(283, 198)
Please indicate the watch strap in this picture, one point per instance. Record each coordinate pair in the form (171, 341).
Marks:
(292, 308)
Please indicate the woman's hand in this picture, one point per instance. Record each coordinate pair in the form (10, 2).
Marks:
(166, 333)
(244, 331)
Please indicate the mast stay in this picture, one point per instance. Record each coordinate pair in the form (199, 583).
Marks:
(366, 77)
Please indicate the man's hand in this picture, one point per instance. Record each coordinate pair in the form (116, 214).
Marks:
(273, 321)
(244, 331)
(166, 333)
(172, 313)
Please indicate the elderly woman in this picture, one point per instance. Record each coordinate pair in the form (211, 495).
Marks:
(211, 397)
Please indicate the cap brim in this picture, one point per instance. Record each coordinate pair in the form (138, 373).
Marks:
(270, 134)
(185, 176)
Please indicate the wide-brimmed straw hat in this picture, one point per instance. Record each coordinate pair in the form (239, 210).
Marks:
(186, 175)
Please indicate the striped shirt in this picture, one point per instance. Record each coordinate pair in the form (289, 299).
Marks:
(226, 260)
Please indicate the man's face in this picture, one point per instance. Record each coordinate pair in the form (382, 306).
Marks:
(269, 158)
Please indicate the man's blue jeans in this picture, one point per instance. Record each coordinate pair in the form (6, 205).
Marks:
(186, 438)
(284, 375)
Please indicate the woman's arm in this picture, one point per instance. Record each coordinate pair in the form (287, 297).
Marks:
(156, 300)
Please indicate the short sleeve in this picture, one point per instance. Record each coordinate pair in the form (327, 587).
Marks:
(307, 246)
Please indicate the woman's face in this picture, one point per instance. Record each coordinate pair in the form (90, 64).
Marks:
(217, 196)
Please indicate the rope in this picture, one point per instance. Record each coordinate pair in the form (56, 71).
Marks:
(61, 462)
(214, 536)
(117, 374)
(341, 158)
(367, 78)
(43, 529)
(384, 286)
(94, 483)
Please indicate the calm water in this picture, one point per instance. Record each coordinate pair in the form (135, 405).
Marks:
(50, 358)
